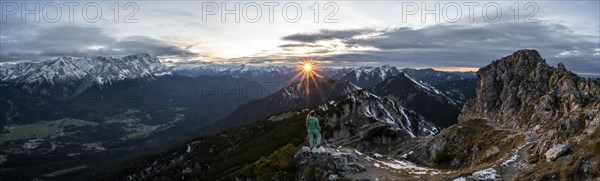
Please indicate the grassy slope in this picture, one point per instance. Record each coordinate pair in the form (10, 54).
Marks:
(225, 155)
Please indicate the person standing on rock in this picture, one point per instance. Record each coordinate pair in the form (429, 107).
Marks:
(313, 129)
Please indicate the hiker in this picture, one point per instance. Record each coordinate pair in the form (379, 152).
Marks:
(313, 129)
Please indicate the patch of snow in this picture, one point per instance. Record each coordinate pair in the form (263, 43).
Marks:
(320, 149)
(93, 146)
(410, 167)
(187, 170)
(408, 124)
(515, 155)
(3, 159)
(487, 174)
(404, 156)
(32, 144)
(460, 179)
(358, 152)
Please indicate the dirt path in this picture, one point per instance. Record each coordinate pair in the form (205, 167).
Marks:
(517, 160)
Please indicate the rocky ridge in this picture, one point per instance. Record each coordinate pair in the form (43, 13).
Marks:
(547, 115)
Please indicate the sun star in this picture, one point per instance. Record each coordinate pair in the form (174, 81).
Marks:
(307, 67)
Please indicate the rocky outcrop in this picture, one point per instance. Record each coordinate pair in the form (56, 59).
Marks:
(525, 105)
(326, 163)
(522, 92)
(523, 84)
(556, 151)
(366, 121)
(332, 162)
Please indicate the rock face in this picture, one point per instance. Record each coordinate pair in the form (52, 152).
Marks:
(531, 108)
(522, 92)
(326, 163)
(556, 151)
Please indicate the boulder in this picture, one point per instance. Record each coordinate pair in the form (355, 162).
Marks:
(556, 151)
(326, 163)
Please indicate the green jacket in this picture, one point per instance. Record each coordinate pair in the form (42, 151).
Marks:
(313, 123)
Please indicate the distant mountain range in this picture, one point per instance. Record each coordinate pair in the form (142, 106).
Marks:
(361, 76)
(526, 121)
(101, 70)
(70, 111)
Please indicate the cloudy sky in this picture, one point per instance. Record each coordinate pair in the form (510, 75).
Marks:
(447, 35)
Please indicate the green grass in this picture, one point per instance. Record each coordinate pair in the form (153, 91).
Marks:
(228, 154)
(568, 167)
(467, 136)
(30, 131)
(40, 129)
(279, 164)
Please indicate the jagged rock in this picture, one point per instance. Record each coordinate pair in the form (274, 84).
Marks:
(556, 151)
(326, 163)
(521, 94)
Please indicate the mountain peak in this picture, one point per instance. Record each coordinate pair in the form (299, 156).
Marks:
(524, 84)
(69, 69)
(524, 54)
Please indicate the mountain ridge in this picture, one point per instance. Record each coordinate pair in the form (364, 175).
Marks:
(548, 117)
(100, 70)
(421, 97)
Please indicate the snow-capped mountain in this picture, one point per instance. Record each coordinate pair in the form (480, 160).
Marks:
(257, 70)
(365, 76)
(369, 76)
(101, 70)
(420, 97)
(234, 70)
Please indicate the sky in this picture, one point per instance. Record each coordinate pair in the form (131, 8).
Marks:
(447, 35)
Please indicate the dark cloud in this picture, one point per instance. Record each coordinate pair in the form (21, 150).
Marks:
(465, 45)
(326, 35)
(299, 45)
(33, 43)
(144, 44)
